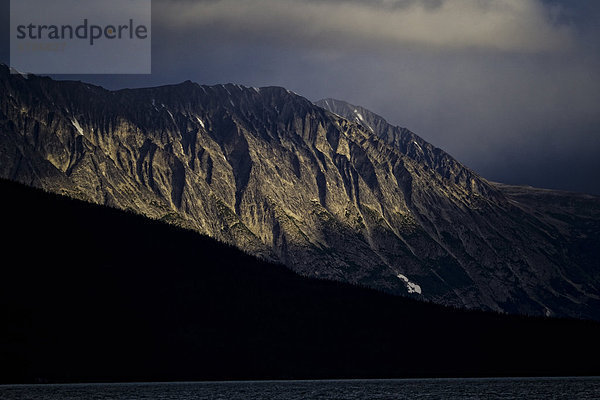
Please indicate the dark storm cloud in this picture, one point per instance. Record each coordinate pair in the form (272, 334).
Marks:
(507, 25)
(509, 87)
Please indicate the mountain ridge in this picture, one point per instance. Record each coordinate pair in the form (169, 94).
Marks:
(270, 172)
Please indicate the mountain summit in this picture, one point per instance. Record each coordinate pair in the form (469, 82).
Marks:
(331, 190)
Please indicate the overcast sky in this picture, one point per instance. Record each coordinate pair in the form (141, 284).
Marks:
(511, 88)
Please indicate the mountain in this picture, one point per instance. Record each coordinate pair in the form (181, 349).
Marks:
(97, 294)
(286, 180)
(552, 232)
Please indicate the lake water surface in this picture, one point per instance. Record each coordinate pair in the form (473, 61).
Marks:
(503, 388)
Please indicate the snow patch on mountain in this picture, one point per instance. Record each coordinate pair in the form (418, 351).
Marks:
(14, 71)
(77, 126)
(410, 286)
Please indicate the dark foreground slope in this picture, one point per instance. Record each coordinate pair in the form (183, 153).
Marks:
(90, 294)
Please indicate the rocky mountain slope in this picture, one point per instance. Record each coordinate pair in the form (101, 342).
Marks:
(328, 195)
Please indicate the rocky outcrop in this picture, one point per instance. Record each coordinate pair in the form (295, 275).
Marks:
(327, 194)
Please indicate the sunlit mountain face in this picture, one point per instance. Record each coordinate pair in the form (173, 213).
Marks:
(329, 189)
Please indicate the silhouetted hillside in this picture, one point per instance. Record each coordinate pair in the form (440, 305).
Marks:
(95, 294)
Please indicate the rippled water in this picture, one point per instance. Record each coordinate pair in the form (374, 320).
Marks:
(514, 388)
